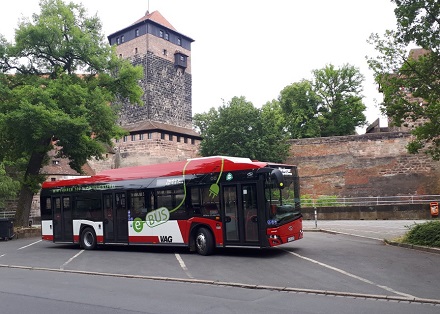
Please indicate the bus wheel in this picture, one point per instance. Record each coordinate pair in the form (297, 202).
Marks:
(204, 242)
(88, 239)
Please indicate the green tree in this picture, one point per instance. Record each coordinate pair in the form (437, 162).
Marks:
(239, 129)
(8, 186)
(275, 135)
(57, 81)
(341, 109)
(328, 105)
(411, 83)
(299, 104)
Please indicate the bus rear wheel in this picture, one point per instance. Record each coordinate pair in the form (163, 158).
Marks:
(88, 239)
(204, 242)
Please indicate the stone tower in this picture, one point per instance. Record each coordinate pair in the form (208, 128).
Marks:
(161, 129)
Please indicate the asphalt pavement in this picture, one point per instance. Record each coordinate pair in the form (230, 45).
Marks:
(374, 229)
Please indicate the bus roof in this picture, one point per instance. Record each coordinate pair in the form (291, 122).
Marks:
(191, 166)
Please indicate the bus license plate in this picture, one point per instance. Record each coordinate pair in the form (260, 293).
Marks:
(290, 239)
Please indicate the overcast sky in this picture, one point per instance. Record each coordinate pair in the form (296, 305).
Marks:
(251, 48)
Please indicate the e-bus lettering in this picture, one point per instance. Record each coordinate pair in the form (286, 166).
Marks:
(138, 225)
(157, 217)
(167, 239)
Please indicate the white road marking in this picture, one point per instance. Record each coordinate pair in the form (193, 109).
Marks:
(350, 275)
(182, 264)
(71, 259)
(23, 247)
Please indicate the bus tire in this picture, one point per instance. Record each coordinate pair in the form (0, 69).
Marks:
(88, 239)
(204, 242)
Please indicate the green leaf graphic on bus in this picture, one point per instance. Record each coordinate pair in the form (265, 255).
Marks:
(157, 217)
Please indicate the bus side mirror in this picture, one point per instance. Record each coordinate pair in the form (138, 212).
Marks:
(277, 176)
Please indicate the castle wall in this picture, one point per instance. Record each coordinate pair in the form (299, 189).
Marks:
(375, 164)
(148, 151)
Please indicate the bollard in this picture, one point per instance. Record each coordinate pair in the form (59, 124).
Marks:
(316, 218)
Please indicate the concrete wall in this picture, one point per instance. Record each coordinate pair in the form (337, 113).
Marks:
(379, 212)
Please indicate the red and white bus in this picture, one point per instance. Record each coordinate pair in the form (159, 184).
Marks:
(202, 203)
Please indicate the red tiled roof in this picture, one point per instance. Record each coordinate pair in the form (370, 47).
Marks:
(156, 17)
(60, 166)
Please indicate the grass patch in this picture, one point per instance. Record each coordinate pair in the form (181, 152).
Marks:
(425, 234)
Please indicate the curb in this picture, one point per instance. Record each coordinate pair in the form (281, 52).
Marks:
(239, 285)
(414, 247)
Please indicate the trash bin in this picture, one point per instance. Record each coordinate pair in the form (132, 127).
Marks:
(6, 228)
(434, 209)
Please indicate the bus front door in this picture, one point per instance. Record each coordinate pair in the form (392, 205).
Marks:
(115, 218)
(240, 214)
(62, 219)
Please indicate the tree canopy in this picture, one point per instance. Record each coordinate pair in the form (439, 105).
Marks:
(410, 79)
(328, 105)
(57, 81)
(300, 104)
(239, 129)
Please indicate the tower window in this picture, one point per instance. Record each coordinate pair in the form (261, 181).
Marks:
(162, 136)
(170, 137)
(117, 41)
(150, 135)
(165, 52)
(179, 41)
(133, 137)
(141, 136)
(135, 50)
(180, 60)
(136, 32)
(122, 39)
(161, 33)
(167, 36)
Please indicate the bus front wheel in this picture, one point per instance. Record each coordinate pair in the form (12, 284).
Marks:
(88, 239)
(204, 242)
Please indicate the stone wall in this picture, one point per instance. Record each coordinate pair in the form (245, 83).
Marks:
(148, 151)
(374, 164)
(167, 89)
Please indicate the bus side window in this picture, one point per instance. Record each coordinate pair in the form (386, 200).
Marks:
(195, 202)
(210, 203)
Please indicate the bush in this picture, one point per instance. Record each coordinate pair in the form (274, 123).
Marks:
(426, 234)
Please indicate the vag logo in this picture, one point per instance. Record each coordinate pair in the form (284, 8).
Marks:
(166, 239)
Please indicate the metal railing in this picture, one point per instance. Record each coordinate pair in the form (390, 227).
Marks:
(324, 200)
(7, 213)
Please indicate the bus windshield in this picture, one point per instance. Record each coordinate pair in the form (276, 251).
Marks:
(282, 205)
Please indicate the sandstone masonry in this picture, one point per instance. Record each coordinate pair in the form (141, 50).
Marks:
(374, 164)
